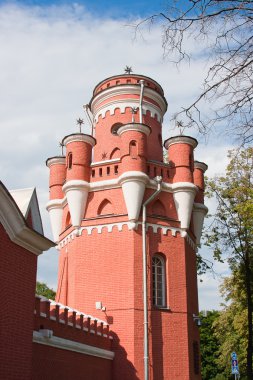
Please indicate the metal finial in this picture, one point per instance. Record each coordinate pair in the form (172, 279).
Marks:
(134, 112)
(181, 127)
(61, 145)
(128, 69)
(80, 123)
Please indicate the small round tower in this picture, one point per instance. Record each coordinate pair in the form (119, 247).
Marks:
(78, 155)
(199, 209)
(57, 178)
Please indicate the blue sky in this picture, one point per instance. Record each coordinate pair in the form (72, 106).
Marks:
(111, 8)
(51, 60)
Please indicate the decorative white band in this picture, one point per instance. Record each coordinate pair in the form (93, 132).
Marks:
(75, 184)
(200, 165)
(79, 137)
(119, 225)
(200, 207)
(133, 175)
(181, 140)
(134, 127)
(54, 203)
(70, 345)
(61, 160)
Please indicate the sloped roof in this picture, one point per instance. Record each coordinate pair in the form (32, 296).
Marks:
(27, 202)
(14, 219)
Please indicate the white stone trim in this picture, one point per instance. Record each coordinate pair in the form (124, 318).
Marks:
(79, 137)
(123, 104)
(134, 127)
(200, 165)
(109, 227)
(70, 345)
(181, 140)
(105, 162)
(128, 90)
(16, 228)
(56, 161)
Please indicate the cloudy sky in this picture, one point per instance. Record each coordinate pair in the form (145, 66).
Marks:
(52, 56)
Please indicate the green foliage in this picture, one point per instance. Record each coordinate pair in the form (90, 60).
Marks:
(231, 327)
(43, 290)
(209, 345)
(230, 235)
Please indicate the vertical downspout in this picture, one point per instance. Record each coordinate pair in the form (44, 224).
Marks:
(144, 260)
(141, 99)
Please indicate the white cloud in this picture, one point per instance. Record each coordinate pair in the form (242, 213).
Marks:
(51, 59)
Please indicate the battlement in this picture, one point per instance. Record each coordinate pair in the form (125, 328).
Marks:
(70, 324)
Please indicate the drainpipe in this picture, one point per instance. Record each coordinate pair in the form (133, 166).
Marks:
(144, 260)
(141, 98)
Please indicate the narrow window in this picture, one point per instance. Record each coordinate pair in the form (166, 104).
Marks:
(93, 173)
(116, 169)
(100, 172)
(133, 149)
(108, 170)
(70, 158)
(158, 277)
(117, 82)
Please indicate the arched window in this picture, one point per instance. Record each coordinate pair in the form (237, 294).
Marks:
(158, 278)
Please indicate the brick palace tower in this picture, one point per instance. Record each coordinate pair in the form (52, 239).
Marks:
(107, 224)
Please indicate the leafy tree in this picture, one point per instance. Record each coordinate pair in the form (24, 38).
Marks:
(43, 290)
(209, 345)
(225, 30)
(230, 328)
(231, 232)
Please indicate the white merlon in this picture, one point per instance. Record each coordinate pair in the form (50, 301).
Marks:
(184, 194)
(77, 193)
(122, 105)
(199, 213)
(55, 209)
(119, 225)
(133, 186)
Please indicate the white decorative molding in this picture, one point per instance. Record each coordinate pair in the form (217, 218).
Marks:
(55, 210)
(79, 137)
(199, 213)
(71, 345)
(99, 228)
(16, 227)
(200, 165)
(123, 104)
(181, 140)
(105, 162)
(77, 193)
(184, 194)
(133, 186)
(119, 90)
(60, 160)
(134, 127)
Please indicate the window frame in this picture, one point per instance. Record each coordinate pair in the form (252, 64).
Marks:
(155, 274)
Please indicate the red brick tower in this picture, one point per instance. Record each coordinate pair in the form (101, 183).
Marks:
(95, 208)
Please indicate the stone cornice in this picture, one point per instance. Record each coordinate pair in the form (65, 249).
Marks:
(71, 345)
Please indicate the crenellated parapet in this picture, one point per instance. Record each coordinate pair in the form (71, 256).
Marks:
(53, 316)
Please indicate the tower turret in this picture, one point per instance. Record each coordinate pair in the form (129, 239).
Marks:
(76, 188)
(57, 177)
(199, 209)
(120, 99)
(180, 157)
(133, 166)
